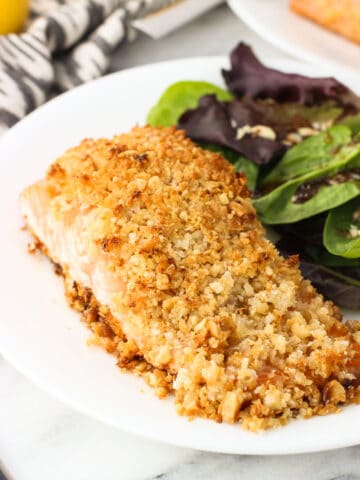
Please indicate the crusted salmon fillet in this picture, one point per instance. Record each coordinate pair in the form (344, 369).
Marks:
(341, 16)
(161, 250)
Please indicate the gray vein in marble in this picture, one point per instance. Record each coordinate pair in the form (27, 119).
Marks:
(343, 464)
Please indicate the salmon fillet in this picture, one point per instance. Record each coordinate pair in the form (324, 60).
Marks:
(341, 16)
(161, 249)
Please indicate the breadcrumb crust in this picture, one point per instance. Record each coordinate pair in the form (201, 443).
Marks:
(210, 309)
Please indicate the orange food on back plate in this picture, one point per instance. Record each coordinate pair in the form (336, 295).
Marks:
(340, 16)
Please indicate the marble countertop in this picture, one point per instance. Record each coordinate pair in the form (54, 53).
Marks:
(42, 439)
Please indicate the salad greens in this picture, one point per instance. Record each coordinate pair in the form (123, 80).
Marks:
(249, 77)
(250, 169)
(342, 230)
(312, 153)
(219, 122)
(322, 256)
(326, 188)
(297, 139)
(182, 96)
(353, 122)
(178, 98)
(258, 129)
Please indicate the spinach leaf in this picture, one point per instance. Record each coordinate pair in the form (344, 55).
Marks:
(353, 122)
(342, 230)
(280, 206)
(310, 154)
(322, 256)
(250, 169)
(179, 97)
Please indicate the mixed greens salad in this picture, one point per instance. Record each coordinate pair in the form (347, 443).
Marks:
(297, 139)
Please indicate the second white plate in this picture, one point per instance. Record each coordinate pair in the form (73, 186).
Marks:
(275, 22)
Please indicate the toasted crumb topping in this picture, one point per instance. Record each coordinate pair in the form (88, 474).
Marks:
(209, 308)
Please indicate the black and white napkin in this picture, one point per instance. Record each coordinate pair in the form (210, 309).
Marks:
(67, 43)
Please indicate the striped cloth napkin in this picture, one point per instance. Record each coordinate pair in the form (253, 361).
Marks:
(66, 43)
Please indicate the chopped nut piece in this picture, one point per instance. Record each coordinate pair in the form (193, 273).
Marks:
(217, 287)
(230, 407)
(334, 392)
(354, 231)
(264, 131)
(274, 399)
(242, 131)
(307, 132)
(256, 131)
(293, 138)
(224, 199)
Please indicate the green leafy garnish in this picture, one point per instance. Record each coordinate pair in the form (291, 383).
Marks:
(279, 206)
(342, 230)
(184, 95)
(323, 257)
(310, 154)
(353, 122)
(178, 98)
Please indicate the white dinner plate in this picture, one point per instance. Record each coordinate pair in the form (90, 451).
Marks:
(275, 22)
(44, 339)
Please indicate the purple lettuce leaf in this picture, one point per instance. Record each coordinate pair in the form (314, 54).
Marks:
(283, 118)
(250, 78)
(211, 122)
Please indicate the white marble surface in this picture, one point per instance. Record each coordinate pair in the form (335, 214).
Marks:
(41, 439)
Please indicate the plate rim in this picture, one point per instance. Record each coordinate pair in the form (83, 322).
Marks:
(201, 446)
